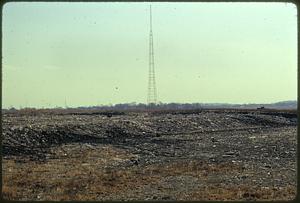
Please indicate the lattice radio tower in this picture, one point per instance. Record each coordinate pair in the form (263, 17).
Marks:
(152, 93)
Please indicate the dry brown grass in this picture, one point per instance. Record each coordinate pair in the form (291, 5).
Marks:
(84, 177)
(69, 181)
(76, 176)
(245, 192)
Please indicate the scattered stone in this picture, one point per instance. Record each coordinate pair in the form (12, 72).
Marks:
(244, 148)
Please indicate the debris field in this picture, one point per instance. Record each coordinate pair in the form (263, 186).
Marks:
(215, 154)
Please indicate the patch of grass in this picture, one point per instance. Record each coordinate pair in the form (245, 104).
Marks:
(245, 192)
(69, 179)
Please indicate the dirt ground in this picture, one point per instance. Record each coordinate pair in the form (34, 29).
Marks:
(167, 155)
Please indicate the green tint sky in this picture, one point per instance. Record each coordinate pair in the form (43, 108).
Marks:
(97, 53)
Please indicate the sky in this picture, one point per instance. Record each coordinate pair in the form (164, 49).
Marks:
(87, 54)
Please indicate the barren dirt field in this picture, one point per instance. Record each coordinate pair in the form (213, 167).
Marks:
(158, 155)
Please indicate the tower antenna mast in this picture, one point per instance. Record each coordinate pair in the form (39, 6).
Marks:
(152, 92)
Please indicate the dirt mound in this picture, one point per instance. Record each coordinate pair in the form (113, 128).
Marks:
(32, 134)
(220, 155)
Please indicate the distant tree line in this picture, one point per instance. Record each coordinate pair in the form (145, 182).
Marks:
(166, 106)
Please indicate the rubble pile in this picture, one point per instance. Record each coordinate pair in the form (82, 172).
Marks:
(186, 153)
(29, 134)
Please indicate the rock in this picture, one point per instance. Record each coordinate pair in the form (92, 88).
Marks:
(267, 166)
(230, 153)
(134, 161)
(166, 198)
(213, 139)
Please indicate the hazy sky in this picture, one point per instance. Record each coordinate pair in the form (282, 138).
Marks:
(97, 53)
